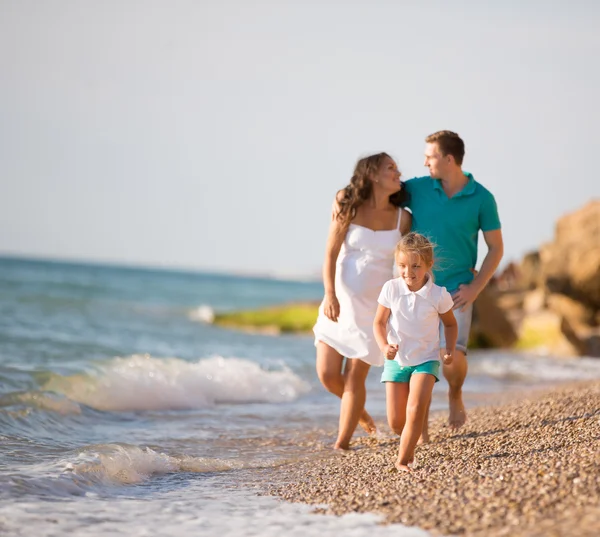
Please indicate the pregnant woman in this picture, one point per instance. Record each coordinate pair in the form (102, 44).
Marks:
(366, 224)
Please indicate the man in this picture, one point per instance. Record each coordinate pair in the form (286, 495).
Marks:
(450, 208)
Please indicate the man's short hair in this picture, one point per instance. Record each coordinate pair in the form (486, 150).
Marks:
(449, 143)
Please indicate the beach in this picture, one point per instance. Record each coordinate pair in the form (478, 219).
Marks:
(529, 467)
(123, 412)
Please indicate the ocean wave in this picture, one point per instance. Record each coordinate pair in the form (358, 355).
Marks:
(536, 368)
(97, 466)
(125, 464)
(40, 401)
(142, 382)
(203, 313)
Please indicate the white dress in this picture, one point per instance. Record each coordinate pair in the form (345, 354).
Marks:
(365, 263)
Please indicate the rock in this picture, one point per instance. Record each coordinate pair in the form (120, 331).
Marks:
(491, 328)
(577, 324)
(530, 276)
(508, 278)
(570, 309)
(584, 338)
(570, 265)
(542, 332)
(552, 298)
(534, 301)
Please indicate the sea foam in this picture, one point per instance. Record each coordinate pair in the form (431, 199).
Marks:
(142, 382)
(128, 464)
(522, 366)
(203, 313)
(97, 466)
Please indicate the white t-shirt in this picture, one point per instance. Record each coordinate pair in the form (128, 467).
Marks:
(414, 320)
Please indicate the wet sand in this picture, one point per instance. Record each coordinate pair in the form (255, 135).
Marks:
(530, 467)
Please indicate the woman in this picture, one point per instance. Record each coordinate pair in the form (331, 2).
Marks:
(366, 224)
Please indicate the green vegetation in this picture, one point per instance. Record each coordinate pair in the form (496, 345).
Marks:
(539, 333)
(290, 318)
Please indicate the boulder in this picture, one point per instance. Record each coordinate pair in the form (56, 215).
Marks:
(534, 301)
(542, 332)
(570, 309)
(570, 265)
(491, 327)
(530, 273)
(584, 338)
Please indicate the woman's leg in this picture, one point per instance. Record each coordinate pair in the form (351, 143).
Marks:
(396, 396)
(421, 387)
(353, 400)
(329, 371)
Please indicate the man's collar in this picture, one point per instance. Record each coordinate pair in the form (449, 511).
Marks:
(469, 188)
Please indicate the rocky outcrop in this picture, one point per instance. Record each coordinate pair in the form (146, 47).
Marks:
(552, 298)
(491, 326)
(570, 265)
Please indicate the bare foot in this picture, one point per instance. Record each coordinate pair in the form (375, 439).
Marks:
(423, 439)
(367, 423)
(342, 447)
(402, 467)
(458, 414)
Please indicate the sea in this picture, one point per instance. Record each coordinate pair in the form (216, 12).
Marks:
(124, 411)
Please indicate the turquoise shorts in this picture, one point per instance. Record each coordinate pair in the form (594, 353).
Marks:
(394, 372)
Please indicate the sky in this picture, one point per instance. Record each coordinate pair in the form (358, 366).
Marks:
(213, 135)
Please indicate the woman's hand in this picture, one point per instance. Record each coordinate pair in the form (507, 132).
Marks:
(447, 358)
(389, 351)
(331, 307)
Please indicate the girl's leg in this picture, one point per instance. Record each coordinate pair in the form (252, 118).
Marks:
(425, 432)
(353, 400)
(329, 371)
(396, 396)
(421, 387)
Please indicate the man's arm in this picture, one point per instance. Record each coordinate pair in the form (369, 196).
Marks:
(467, 294)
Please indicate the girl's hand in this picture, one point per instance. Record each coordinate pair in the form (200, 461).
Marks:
(389, 351)
(331, 307)
(447, 358)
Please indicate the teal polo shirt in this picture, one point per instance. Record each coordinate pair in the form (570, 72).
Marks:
(452, 224)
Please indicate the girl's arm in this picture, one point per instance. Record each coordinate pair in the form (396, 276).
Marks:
(380, 331)
(451, 333)
(335, 239)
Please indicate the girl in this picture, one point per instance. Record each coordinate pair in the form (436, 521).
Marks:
(406, 328)
(366, 224)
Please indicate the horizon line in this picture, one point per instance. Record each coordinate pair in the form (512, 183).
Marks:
(109, 263)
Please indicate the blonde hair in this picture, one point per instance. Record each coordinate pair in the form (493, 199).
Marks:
(415, 243)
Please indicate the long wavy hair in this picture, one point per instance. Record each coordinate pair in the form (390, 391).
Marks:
(361, 186)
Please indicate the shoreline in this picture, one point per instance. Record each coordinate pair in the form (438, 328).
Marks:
(525, 467)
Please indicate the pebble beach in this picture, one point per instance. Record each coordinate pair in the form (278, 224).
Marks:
(527, 467)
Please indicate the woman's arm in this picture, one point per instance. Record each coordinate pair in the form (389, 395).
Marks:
(380, 332)
(451, 333)
(335, 239)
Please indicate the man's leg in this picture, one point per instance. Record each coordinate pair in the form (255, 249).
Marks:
(456, 372)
